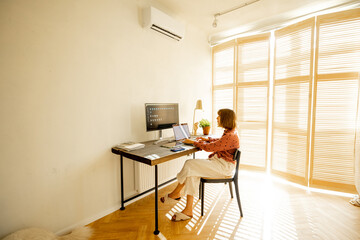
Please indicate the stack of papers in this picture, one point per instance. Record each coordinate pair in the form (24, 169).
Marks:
(129, 146)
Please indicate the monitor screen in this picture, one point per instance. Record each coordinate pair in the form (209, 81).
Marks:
(161, 115)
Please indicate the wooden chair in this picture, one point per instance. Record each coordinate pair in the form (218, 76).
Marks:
(229, 179)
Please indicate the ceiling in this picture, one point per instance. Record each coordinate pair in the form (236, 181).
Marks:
(261, 15)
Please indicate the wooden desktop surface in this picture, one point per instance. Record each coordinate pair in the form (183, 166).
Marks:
(150, 148)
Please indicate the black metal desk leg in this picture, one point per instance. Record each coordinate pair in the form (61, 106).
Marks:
(122, 183)
(156, 232)
(193, 155)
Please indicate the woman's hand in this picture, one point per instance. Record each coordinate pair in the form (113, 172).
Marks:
(188, 141)
(202, 139)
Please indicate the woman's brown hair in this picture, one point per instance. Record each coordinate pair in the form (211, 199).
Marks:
(227, 118)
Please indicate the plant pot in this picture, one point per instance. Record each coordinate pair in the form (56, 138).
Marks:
(206, 130)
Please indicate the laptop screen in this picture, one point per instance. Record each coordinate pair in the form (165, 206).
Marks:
(181, 131)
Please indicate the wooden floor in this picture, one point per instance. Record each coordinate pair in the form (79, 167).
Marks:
(272, 210)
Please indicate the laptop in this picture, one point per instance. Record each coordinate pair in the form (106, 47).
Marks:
(181, 132)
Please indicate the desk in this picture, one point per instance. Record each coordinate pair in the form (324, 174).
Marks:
(140, 155)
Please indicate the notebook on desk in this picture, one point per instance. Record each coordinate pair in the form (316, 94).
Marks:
(181, 132)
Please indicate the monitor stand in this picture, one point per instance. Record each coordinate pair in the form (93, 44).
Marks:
(161, 140)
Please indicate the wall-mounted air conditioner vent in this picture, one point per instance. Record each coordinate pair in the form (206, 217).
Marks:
(162, 23)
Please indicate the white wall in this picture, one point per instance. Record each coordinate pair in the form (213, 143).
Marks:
(74, 77)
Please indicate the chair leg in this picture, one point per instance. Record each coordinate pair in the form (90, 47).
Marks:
(202, 198)
(200, 190)
(231, 192)
(238, 197)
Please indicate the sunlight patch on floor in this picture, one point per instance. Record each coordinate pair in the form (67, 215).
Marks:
(213, 193)
(269, 212)
(214, 202)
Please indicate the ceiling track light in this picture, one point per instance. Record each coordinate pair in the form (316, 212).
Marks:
(215, 22)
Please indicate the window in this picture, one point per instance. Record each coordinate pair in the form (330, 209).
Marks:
(292, 95)
(252, 89)
(223, 79)
(315, 86)
(336, 100)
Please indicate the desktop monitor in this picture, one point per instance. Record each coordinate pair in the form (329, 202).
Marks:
(161, 116)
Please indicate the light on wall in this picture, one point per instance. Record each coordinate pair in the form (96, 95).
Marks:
(215, 22)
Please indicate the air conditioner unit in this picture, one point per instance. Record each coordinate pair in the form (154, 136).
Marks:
(162, 23)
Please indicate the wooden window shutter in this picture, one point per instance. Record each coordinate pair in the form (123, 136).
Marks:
(336, 95)
(223, 79)
(253, 59)
(292, 98)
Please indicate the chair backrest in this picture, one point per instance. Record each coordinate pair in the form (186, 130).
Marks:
(237, 159)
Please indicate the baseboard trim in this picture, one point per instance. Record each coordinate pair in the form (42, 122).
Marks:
(91, 219)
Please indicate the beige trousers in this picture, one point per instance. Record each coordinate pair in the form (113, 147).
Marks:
(194, 169)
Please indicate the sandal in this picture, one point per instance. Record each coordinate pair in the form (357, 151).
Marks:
(178, 216)
(355, 201)
(167, 199)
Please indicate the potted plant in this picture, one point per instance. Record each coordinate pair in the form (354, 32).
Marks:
(205, 125)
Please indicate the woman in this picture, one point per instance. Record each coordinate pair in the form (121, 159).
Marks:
(219, 164)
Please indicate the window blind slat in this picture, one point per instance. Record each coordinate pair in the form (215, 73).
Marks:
(222, 99)
(224, 66)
